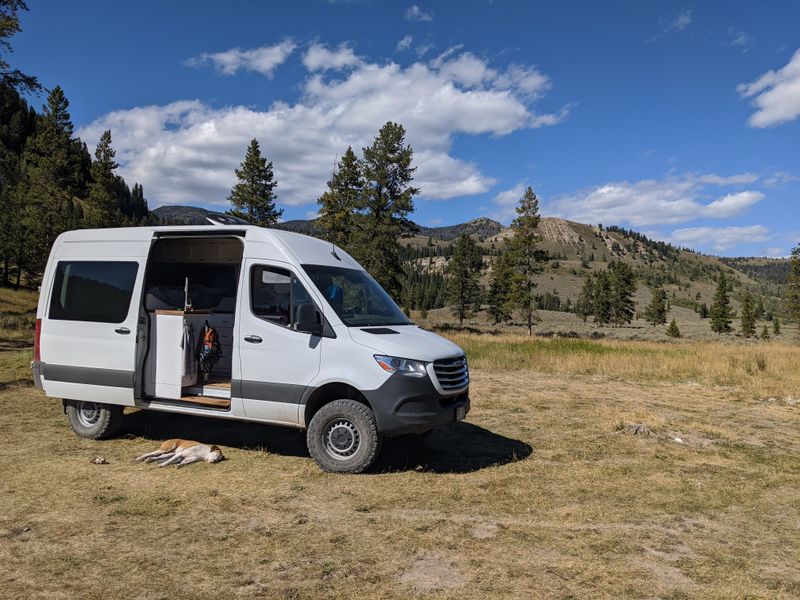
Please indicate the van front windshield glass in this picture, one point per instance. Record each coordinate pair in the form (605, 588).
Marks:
(356, 297)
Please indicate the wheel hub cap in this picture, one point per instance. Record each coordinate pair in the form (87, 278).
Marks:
(342, 439)
(88, 413)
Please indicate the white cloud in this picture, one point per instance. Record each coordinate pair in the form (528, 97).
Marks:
(319, 58)
(405, 43)
(675, 199)
(731, 205)
(780, 179)
(776, 252)
(506, 203)
(262, 60)
(721, 238)
(740, 39)
(673, 25)
(415, 13)
(776, 95)
(185, 151)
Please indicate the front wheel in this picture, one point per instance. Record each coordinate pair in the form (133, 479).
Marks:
(343, 437)
(92, 420)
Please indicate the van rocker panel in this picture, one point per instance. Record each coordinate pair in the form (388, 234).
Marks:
(406, 404)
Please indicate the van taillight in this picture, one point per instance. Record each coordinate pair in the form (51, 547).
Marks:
(37, 341)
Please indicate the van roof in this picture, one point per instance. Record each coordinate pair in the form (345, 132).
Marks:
(306, 249)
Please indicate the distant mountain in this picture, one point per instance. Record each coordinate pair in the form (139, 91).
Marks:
(580, 248)
(181, 215)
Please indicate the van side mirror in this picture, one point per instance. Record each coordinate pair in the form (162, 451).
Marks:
(308, 320)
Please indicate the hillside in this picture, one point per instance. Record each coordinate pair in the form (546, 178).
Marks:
(575, 250)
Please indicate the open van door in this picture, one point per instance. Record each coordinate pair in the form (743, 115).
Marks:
(90, 326)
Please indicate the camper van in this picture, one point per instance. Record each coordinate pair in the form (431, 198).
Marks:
(302, 336)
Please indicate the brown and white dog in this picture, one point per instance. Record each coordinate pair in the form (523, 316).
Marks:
(183, 452)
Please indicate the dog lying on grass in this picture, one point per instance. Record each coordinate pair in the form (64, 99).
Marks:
(182, 452)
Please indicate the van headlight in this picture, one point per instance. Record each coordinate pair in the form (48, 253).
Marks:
(401, 366)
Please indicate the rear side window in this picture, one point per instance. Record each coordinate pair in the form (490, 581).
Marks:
(93, 291)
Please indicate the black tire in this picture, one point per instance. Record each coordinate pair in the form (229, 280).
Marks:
(343, 437)
(92, 420)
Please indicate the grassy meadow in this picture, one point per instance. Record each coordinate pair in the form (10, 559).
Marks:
(586, 469)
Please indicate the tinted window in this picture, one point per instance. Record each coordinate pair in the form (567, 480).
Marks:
(276, 295)
(93, 291)
(355, 296)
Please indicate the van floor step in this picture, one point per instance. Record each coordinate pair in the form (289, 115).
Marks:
(206, 401)
(214, 390)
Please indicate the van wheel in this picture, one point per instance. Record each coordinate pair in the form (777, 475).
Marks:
(343, 437)
(92, 420)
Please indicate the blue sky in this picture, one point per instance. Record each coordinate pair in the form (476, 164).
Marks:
(681, 120)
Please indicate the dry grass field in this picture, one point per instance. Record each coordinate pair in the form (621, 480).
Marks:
(550, 489)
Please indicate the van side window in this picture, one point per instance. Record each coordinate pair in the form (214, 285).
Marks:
(93, 291)
(276, 294)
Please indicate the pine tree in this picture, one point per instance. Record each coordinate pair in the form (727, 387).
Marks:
(672, 330)
(721, 308)
(603, 309)
(102, 205)
(584, 306)
(765, 333)
(340, 205)
(52, 165)
(793, 286)
(622, 287)
(703, 311)
(656, 311)
(500, 307)
(748, 316)
(463, 270)
(388, 201)
(253, 197)
(525, 257)
(776, 326)
(9, 26)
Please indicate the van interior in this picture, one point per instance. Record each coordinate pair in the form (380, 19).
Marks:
(191, 283)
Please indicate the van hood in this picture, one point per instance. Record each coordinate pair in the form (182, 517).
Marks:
(410, 341)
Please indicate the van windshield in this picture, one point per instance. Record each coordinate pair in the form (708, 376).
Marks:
(355, 296)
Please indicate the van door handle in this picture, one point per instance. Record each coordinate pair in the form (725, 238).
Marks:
(253, 339)
(122, 330)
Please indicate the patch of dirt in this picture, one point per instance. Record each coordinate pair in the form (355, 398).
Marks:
(484, 531)
(687, 438)
(666, 574)
(430, 572)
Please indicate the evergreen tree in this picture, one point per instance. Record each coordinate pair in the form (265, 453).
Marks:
(500, 306)
(253, 197)
(793, 286)
(340, 205)
(525, 257)
(584, 306)
(765, 333)
(672, 330)
(776, 326)
(9, 26)
(17, 124)
(656, 311)
(602, 303)
(748, 316)
(463, 270)
(102, 207)
(703, 311)
(622, 287)
(52, 167)
(721, 308)
(388, 201)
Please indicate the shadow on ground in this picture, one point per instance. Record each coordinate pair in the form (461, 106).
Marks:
(457, 448)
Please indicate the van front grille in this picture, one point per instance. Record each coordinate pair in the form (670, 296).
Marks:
(452, 373)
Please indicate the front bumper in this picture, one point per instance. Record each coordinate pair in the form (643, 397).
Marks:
(412, 405)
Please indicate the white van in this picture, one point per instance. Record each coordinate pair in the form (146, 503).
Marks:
(308, 339)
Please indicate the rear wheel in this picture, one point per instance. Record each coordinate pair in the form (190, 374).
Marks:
(92, 420)
(343, 437)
